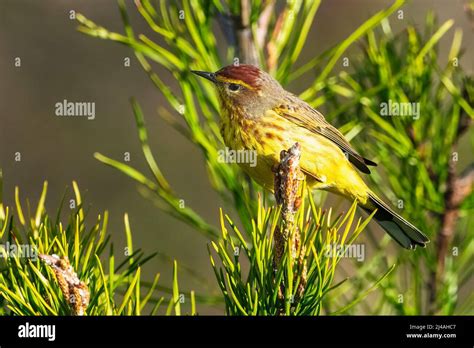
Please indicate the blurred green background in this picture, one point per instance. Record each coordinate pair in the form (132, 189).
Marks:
(58, 63)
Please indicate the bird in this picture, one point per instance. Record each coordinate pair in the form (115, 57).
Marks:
(258, 114)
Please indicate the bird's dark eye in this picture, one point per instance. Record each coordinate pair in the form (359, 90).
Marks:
(234, 87)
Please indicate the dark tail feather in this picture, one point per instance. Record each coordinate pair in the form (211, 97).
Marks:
(369, 162)
(407, 235)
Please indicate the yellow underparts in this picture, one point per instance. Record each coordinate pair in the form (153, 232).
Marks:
(325, 165)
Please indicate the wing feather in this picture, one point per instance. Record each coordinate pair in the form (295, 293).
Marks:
(305, 116)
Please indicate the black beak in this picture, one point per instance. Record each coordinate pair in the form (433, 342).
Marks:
(207, 75)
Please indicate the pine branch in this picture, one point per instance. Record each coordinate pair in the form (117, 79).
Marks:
(287, 180)
(458, 188)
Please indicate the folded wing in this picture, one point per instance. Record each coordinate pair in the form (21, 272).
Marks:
(305, 116)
